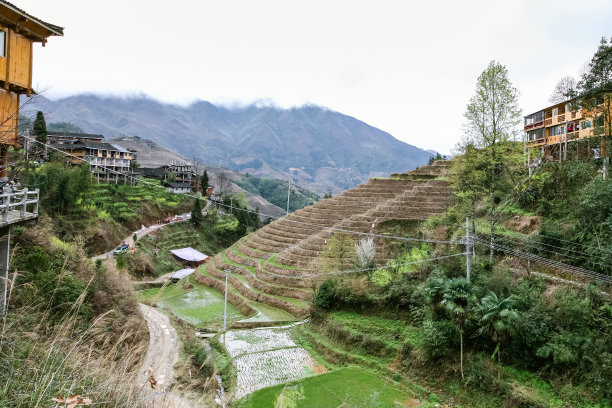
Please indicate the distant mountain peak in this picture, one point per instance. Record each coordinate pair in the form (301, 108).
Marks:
(334, 151)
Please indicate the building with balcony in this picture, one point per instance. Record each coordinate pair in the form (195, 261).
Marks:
(550, 132)
(175, 173)
(109, 162)
(18, 33)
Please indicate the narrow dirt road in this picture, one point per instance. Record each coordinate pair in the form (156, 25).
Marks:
(159, 361)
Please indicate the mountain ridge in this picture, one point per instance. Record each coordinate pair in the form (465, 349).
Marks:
(317, 147)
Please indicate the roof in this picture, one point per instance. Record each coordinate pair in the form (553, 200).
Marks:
(178, 185)
(119, 148)
(74, 135)
(93, 145)
(183, 273)
(189, 254)
(30, 26)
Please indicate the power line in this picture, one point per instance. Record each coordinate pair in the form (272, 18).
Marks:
(545, 261)
(516, 240)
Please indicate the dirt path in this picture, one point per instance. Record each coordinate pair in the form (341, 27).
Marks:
(160, 359)
(141, 233)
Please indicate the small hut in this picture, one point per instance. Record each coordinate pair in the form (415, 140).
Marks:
(189, 256)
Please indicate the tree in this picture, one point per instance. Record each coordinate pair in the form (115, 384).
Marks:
(594, 90)
(564, 90)
(204, 181)
(493, 117)
(498, 319)
(223, 180)
(339, 253)
(456, 302)
(493, 114)
(40, 133)
(365, 251)
(196, 214)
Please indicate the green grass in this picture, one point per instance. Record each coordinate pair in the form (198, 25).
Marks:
(346, 387)
(200, 306)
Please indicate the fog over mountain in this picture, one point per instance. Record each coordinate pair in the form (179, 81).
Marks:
(318, 148)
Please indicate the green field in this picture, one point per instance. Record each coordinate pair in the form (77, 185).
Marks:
(346, 387)
(200, 305)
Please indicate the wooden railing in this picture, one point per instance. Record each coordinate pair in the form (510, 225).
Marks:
(19, 201)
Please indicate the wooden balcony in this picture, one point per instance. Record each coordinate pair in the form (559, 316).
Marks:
(18, 206)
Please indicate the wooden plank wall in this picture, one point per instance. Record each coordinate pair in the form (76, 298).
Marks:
(9, 115)
(19, 58)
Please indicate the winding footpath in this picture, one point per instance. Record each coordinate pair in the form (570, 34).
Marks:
(159, 361)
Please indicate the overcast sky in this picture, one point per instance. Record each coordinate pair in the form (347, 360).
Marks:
(406, 67)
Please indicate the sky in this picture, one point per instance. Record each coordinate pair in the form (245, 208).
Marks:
(406, 67)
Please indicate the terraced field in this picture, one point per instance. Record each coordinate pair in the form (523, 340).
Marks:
(271, 269)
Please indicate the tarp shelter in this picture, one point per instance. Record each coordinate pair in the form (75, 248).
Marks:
(183, 273)
(189, 255)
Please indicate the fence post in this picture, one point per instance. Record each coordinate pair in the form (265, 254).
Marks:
(7, 208)
(37, 200)
(24, 200)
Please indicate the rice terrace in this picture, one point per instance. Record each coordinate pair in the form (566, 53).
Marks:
(194, 213)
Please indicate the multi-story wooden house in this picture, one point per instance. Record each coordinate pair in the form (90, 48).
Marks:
(109, 162)
(18, 32)
(550, 131)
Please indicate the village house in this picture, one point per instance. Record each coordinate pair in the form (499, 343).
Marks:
(550, 132)
(18, 33)
(109, 162)
(178, 178)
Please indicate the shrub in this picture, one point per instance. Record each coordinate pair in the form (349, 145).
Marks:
(323, 298)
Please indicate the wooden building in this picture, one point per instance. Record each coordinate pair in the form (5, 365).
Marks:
(109, 162)
(182, 174)
(550, 131)
(18, 33)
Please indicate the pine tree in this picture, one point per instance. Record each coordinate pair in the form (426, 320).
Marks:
(40, 132)
(196, 214)
(204, 182)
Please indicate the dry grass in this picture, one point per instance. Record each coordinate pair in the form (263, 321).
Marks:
(41, 361)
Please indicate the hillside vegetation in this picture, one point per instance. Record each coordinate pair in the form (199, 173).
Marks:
(72, 327)
(509, 336)
(275, 191)
(101, 214)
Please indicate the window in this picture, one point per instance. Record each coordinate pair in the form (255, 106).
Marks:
(585, 124)
(556, 130)
(2, 43)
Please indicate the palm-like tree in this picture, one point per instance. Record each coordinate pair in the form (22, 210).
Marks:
(457, 301)
(498, 319)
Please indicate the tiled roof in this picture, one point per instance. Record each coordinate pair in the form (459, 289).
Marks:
(178, 185)
(74, 135)
(52, 28)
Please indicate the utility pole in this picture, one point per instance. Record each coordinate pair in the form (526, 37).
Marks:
(288, 192)
(225, 307)
(231, 205)
(467, 248)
